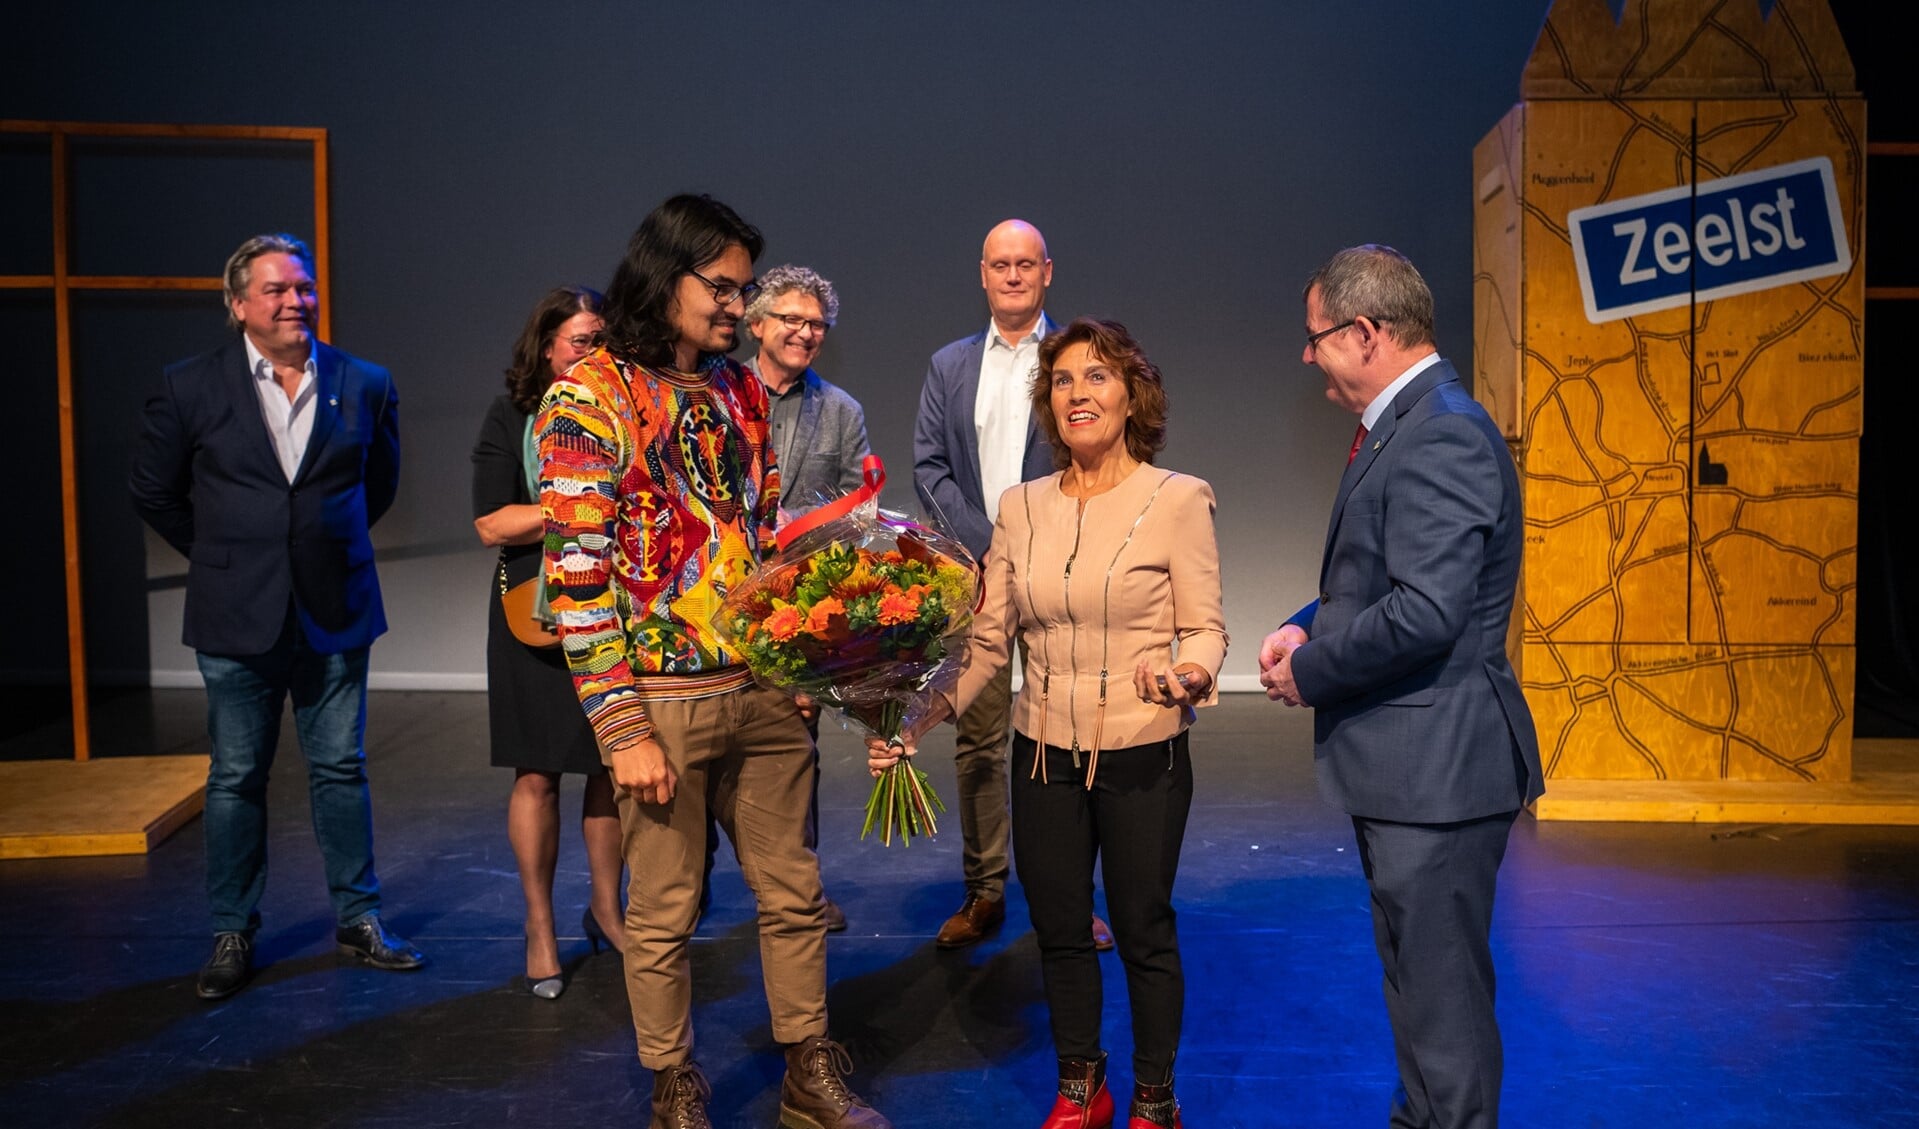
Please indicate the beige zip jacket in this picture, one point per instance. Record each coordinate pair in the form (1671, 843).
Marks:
(1091, 590)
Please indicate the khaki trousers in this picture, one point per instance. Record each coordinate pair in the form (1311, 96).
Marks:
(980, 767)
(746, 756)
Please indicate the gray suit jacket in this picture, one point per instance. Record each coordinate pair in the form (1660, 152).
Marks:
(828, 444)
(946, 446)
(1417, 715)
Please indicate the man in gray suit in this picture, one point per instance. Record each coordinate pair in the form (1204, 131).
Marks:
(819, 432)
(819, 442)
(974, 438)
(1420, 731)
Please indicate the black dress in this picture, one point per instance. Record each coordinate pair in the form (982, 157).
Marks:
(534, 716)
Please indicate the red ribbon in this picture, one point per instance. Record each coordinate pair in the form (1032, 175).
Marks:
(874, 473)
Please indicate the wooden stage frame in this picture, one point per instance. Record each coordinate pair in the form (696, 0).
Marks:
(87, 819)
(1884, 790)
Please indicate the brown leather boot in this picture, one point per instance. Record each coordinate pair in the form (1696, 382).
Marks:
(1154, 1107)
(814, 1095)
(680, 1094)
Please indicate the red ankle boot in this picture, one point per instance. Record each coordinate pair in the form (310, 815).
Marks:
(1083, 1101)
(1154, 1107)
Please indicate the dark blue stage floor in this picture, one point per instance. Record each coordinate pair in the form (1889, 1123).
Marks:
(1650, 975)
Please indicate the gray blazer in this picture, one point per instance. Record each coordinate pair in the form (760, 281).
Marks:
(1417, 715)
(946, 445)
(828, 445)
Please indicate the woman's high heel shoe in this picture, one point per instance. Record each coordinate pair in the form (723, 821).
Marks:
(595, 935)
(544, 987)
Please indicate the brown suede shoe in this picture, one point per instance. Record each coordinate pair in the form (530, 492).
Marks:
(978, 917)
(680, 1094)
(1102, 936)
(814, 1095)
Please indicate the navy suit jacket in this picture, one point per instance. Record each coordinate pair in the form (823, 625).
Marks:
(946, 443)
(1418, 717)
(206, 478)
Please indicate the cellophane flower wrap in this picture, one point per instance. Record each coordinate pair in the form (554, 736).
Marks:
(867, 612)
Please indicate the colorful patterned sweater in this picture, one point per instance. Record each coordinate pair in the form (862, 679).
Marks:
(658, 489)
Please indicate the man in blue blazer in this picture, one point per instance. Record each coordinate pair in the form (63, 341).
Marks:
(974, 438)
(1420, 731)
(264, 462)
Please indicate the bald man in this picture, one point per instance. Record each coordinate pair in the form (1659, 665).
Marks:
(974, 439)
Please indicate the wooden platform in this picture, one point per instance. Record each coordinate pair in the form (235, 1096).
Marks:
(108, 806)
(1884, 790)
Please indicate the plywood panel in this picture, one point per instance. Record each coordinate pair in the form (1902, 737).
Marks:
(105, 806)
(1691, 712)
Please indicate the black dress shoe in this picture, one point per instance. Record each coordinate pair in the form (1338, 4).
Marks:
(369, 940)
(228, 969)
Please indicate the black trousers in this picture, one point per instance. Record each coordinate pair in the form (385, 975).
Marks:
(1133, 820)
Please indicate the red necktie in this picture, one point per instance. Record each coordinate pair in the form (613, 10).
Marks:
(1359, 436)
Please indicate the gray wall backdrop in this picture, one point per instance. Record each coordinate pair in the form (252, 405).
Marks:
(1190, 164)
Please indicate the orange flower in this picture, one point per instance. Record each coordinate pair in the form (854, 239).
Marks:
(860, 581)
(783, 624)
(827, 621)
(901, 607)
(822, 611)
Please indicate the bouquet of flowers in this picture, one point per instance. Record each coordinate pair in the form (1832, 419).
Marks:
(865, 610)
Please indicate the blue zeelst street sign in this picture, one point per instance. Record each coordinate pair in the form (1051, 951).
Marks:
(1744, 233)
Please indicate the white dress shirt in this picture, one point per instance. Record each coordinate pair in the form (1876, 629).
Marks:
(289, 422)
(1003, 410)
(1370, 417)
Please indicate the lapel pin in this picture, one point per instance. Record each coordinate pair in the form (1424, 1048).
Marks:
(332, 401)
(1378, 443)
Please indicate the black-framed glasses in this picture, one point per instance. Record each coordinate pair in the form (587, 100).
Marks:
(794, 323)
(725, 292)
(1313, 339)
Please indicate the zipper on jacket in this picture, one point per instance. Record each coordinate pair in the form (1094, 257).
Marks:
(1072, 651)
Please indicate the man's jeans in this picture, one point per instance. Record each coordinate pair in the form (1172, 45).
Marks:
(245, 698)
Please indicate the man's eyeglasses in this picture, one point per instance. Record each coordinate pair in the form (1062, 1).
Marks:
(1313, 339)
(725, 292)
(794, 323)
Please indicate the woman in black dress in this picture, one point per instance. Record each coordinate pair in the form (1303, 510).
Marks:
(538, 728)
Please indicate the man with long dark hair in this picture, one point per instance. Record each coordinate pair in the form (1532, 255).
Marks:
(658, 473)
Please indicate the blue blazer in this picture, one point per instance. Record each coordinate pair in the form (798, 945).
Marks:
(205, 477)
(1418, 717)
(946, 444)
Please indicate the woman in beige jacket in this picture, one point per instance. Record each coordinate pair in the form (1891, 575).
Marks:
(1108, 573)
